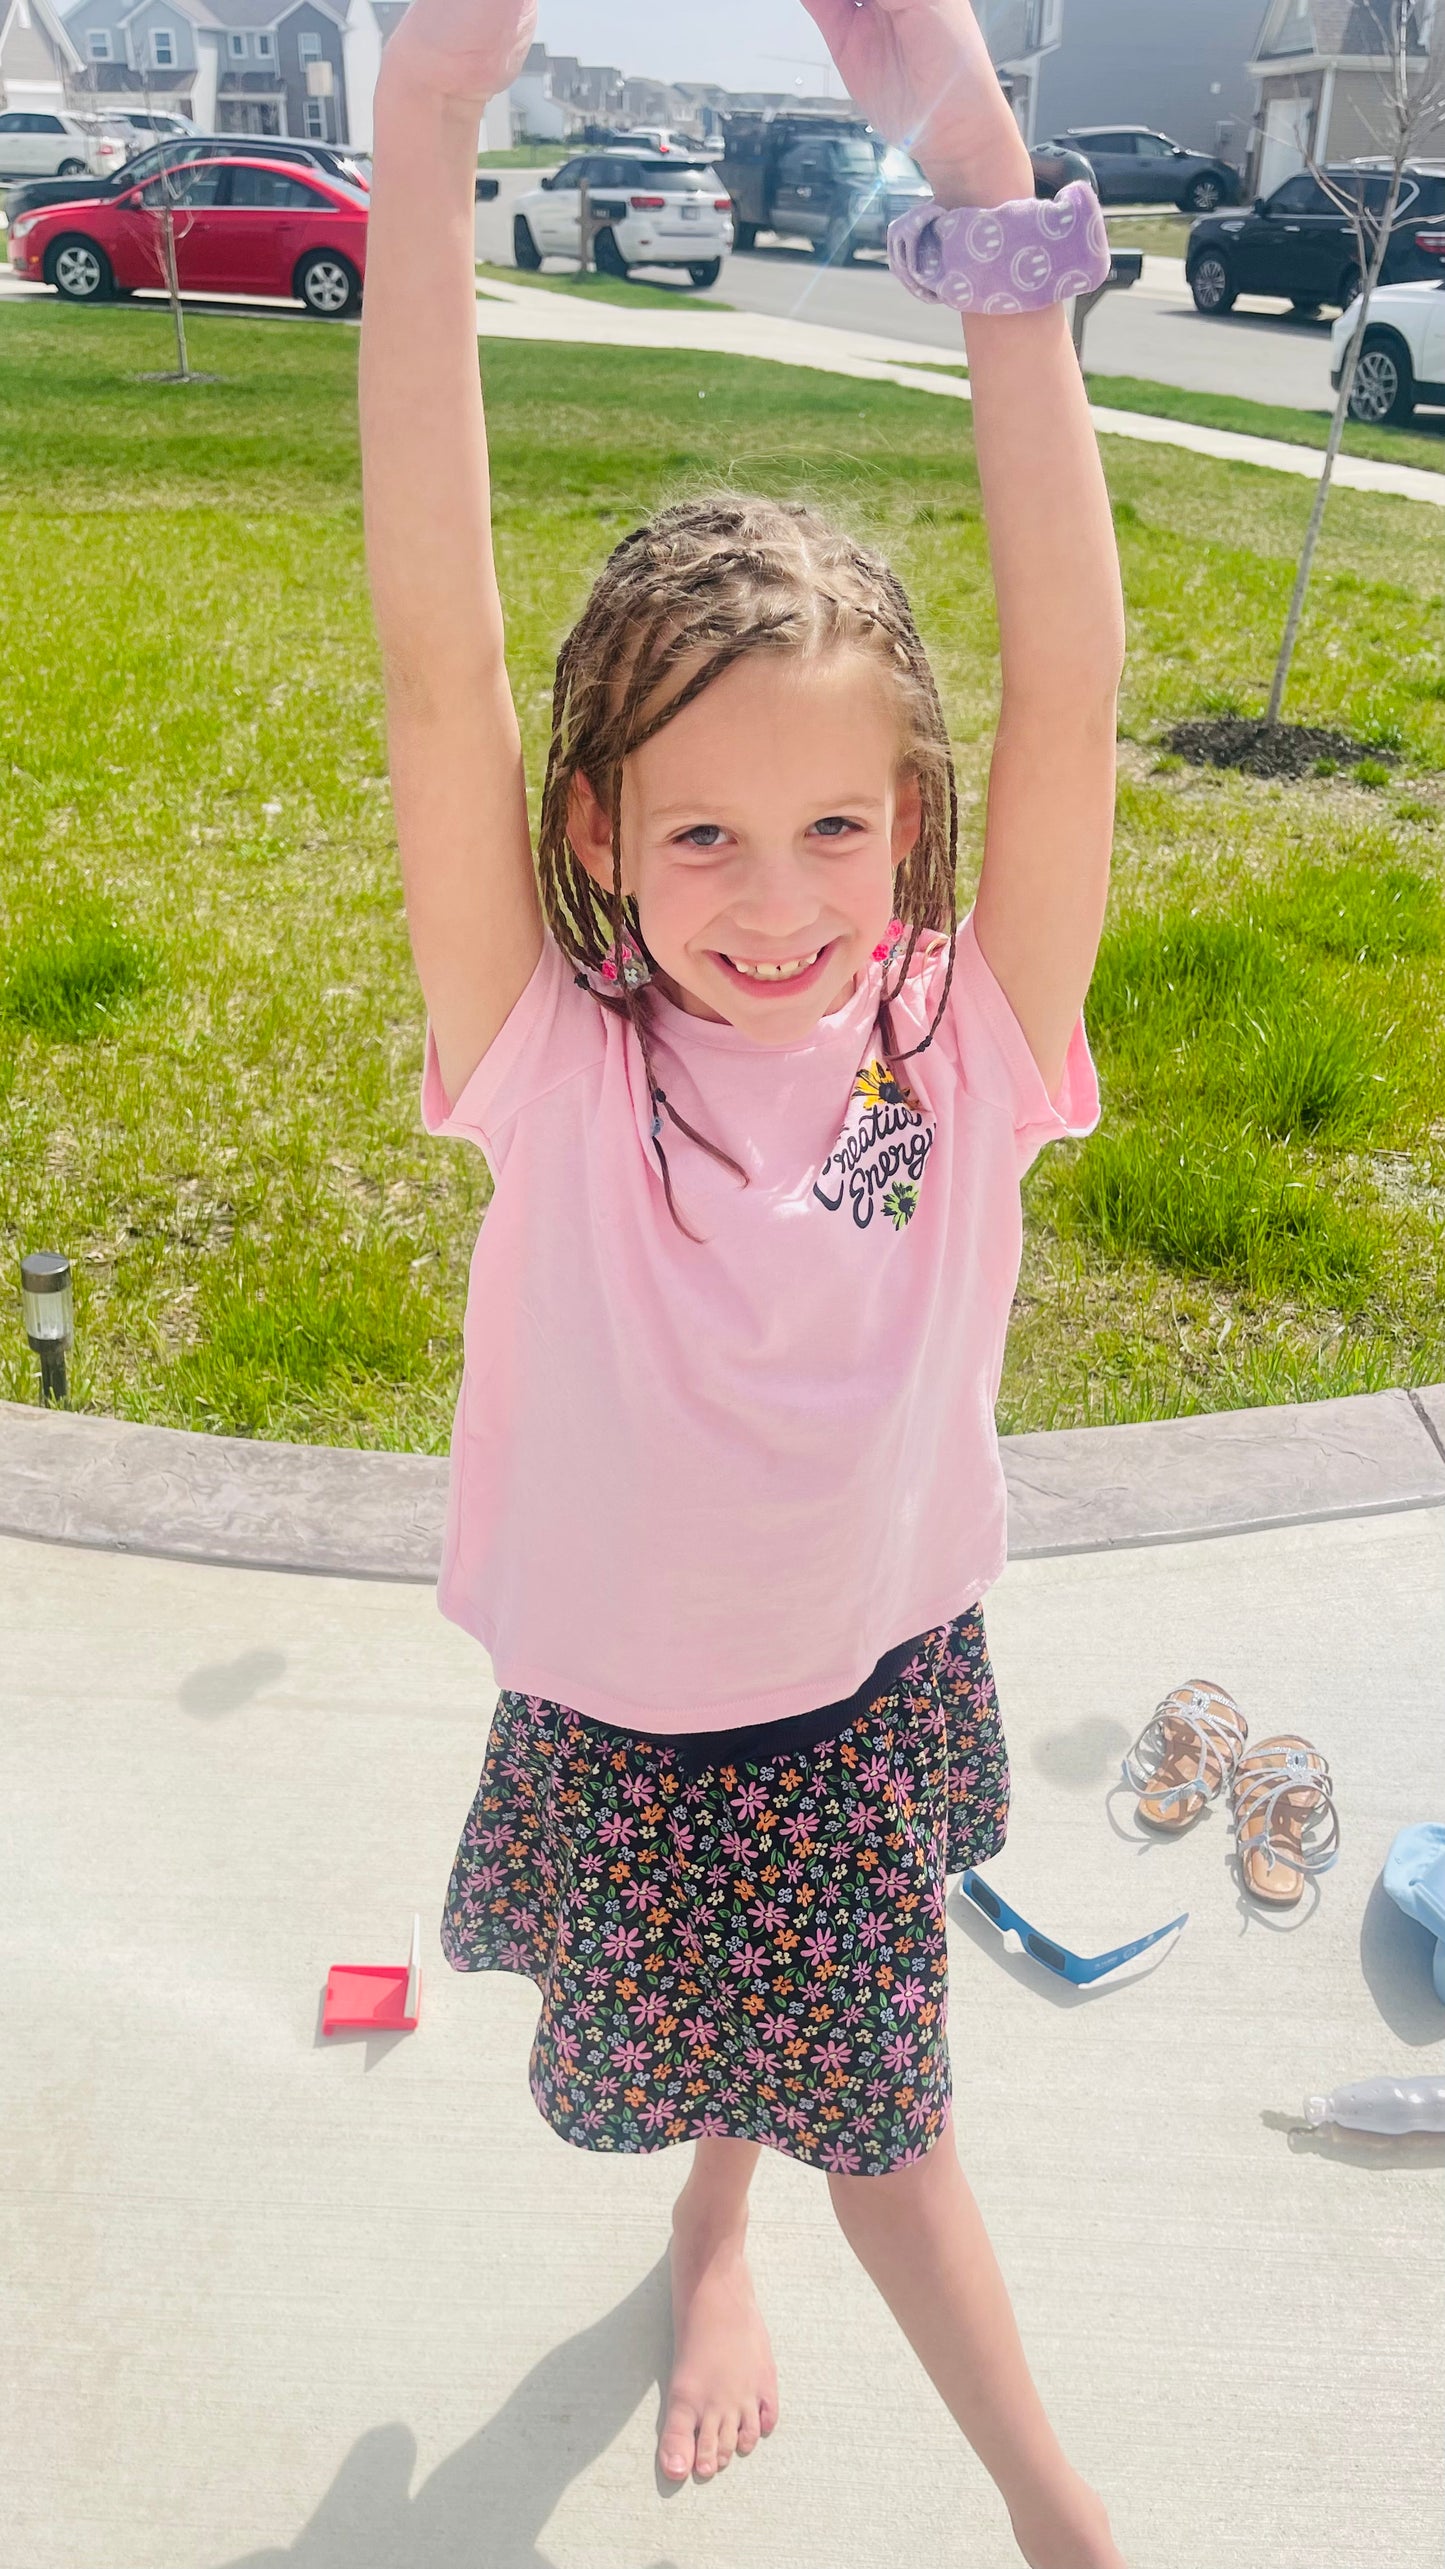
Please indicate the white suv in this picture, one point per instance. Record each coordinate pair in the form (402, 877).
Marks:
(655, 214)
(1403, 359)
(40, 145)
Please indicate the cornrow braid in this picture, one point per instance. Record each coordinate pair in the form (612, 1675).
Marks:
(700, 585)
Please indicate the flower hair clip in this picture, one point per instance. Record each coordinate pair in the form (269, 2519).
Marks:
(888, 947)
(624, 968)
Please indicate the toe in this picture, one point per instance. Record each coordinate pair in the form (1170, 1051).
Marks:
(767, 2416)
(677, 2443)
(748, 2430)
(707, 2444)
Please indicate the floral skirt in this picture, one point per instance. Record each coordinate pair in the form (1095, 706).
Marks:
(740, 1933)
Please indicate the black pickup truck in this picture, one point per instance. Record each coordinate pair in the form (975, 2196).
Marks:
(832, 181)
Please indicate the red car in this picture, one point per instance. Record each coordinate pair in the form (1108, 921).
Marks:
(241, 227)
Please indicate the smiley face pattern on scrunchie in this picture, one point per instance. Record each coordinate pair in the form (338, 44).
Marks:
(1018, 257)
(756, 1952)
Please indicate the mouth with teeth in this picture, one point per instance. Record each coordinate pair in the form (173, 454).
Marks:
(794, 972)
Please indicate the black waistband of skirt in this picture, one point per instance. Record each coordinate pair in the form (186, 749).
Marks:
(754, 1741)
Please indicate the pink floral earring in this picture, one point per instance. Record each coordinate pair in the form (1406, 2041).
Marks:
(885, 952)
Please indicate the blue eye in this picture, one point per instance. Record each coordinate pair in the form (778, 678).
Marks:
(705, 834)
(834, 825)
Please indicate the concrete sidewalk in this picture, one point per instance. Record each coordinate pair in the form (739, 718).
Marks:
(351, 2305)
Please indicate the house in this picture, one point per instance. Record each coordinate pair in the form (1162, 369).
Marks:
(1020, 35)
(303, 67)
(37, 59)
(1178, 66)
(1318, 66)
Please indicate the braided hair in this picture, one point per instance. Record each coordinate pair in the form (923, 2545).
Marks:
(693, 590)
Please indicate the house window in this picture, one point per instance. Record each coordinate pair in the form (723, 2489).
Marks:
(310, 47)
(265, 44)
(315, 121)
(163, 48)
(98, 42)
(236, 47)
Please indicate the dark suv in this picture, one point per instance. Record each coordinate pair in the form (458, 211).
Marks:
(1135, 166)
(173, 153)
(1300, 244)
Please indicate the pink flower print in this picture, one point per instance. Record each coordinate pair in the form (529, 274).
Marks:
(655, 2113)
(623, 1943)
(683, 1838)
(872, 1775)
(834, 2053)
(791, 2117)
(841, 2159)
(593, 1864)
(793, 1870)
(642, 1895)
(767, 1917)
(907, 1789)
(524, 1918)
(756, 2056)
(853, 2015)
(862, 1819)
(631, 2057)
(918, 2112)
(876, 2090)
(750, 1962)
(566, 2046)
(648, 2007)
(698, 2032)
(874, 1928)
(891, 1883)
(617, 1829)
(898, 2051)
(821, 1946)
(607, 2088)
(597, 1975)
(638, 1789)
(798, 1824)
(716, 1876)
(513, 1957)
(591, 2120)
(714, 2124)
(775, 2028)
(909, 1996)
(489, 1877)
(749, 1802)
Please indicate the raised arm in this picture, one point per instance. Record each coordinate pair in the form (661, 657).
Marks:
(921, 69)
(455, 748)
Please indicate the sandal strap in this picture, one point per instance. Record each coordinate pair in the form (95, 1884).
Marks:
(1263, 1787)
(1212, 1730)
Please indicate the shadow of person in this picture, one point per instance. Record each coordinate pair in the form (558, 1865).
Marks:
(230, 1683)
(488, 2504)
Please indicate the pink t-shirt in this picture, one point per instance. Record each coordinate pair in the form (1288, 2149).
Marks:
(696, 1487)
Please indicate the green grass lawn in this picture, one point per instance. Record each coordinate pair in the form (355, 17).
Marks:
(1164, 235)
(603, 289)
(524, 156)
(211, 1031)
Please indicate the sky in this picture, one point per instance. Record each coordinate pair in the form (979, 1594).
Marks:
(732, 41)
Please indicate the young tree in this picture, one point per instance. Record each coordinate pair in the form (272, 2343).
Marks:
(164, 207)
(1410, 81)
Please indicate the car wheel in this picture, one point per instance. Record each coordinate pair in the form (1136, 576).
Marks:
(71, 169)
(79, 269)
(1383, 392)
(705, 271)
(328, 285)
(610, 261)
(1211, 284)
(1348, 288)
(1304, 307)
(745, 236)
(524, 248)
(1202, 196)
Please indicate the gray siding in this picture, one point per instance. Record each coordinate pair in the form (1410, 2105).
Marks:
(312, 22)
(1152, 62)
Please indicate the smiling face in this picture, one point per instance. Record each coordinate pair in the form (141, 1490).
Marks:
(761, 828)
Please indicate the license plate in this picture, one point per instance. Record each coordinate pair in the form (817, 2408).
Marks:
(690, 213)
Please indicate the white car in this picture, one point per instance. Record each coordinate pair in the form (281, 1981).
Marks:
(656, 214)
(1402, 361)
(35, 143)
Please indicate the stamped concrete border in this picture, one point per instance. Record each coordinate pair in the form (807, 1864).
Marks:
(111, 1486)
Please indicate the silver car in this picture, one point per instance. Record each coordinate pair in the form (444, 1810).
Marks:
(654, 213)
(39, 143)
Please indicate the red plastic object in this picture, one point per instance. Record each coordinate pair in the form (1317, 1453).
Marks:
(375, 1997)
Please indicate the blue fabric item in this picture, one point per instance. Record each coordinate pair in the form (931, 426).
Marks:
(1415, 1879)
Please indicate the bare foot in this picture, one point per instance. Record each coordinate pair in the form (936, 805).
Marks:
(723, 2392)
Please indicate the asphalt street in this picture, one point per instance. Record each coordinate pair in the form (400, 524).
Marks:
(1259, 352)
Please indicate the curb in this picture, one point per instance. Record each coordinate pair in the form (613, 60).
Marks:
(107, 1485)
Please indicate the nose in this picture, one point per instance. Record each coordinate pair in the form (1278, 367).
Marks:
(779, 901)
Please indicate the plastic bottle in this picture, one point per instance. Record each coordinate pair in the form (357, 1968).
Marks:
(1382, 2105)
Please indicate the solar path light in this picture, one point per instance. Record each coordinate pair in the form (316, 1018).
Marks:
(49, 1316)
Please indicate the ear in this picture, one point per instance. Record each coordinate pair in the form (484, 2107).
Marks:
(907, 818)
(589, 831)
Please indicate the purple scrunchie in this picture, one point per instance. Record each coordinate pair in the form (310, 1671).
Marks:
(1017, 257)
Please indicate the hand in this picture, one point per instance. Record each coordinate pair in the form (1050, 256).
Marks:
(920, 70)
(465, 49)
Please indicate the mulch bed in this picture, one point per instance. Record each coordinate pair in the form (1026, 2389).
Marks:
(1267, 749)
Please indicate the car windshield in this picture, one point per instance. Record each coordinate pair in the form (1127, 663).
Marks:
(681, 178)
(900, 170)
(856, 159)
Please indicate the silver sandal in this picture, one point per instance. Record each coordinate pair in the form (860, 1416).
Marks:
(1282, 1790)
(1197, 1722)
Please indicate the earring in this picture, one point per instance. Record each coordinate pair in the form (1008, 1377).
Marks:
(607, 978)
(885, 952)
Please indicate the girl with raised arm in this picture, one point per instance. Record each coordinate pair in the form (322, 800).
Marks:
(725, 1489)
